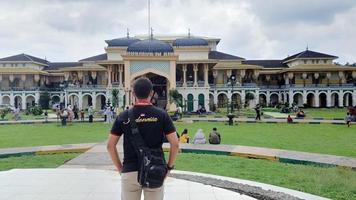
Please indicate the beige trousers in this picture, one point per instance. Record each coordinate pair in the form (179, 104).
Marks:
(131, 189)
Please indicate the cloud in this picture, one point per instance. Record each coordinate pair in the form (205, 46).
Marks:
(71, 30)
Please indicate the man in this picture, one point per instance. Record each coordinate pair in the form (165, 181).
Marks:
(153, 124)
(90, 113)
(258, 112)
(214, 137)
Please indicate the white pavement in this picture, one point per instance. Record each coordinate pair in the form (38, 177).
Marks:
(93, 184)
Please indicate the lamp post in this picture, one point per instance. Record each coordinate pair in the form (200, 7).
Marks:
(231, 115)
(232, 82)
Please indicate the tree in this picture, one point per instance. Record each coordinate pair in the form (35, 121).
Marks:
(44, 100)
(175, 97)
(115, 97)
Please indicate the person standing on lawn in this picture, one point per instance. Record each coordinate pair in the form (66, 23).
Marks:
(153, 125)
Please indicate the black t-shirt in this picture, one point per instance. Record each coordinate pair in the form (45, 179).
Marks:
(153, 124)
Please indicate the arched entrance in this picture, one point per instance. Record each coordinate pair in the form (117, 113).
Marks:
(310, 100)
(298, 99)
(87, 101)
(18, 102)
(348, 99)
(55, 99)
(222, 100)
(160, 89)
(236, 100)
(274, 99)
(100, 102)
(73, 100)
(6, 100)
(322, 100)
(190, 102)
(30, 101)
(201, 100)
(334, 100)
(262, 99)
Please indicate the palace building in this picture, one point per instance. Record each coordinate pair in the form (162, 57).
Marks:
(190, 64)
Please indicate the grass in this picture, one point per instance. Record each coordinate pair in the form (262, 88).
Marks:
(51, 134)
(328, 182)
(322, 138)
(39, 161)
(328, 113)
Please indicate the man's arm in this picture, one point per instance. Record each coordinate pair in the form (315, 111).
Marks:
(111, 147)
(174, 147)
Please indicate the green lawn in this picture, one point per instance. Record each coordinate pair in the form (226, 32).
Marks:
(39, 161)
(323, 138)
(325, 112)
(51, 134)
(328, 182)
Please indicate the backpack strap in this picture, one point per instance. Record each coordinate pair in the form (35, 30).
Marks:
(134, 133)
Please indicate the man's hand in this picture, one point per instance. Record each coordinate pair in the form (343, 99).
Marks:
(111, 147)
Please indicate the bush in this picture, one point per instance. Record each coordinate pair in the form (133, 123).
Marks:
(34, 110)
(4, 112)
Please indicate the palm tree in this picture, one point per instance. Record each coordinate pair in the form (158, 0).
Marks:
(115, 97)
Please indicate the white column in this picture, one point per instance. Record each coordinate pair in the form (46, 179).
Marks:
(184, 69)
(279, 97)
(120, 75)
(268, 98)
(290, 98)
(341, 99)
(93, 100)
(304, 97)
(195, 101)
(12, 100)
(257, 97)
(80, 100)
(109, 76)
(328, 99)
(1, 99)
(354, 98)
(195, 69)
(215, 97)
(316, 100)
(243, 97)
(206, 70)
(23, 101)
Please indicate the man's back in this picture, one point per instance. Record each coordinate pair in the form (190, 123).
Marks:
(152, 123)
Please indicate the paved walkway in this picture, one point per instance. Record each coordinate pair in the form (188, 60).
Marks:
(84, 184)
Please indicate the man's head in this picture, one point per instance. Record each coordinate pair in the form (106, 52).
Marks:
(214, 129)
(142, 88)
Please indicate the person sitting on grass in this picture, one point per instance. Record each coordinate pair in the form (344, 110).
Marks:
(289, 119)
(214, 137)
(301, 113)
(184, 138)
(199, 137)
(348, 119)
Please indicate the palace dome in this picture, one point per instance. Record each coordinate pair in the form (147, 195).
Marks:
(150, 46)
(121, 42)
(190, 41)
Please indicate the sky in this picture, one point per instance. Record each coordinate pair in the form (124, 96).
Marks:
(70, 30)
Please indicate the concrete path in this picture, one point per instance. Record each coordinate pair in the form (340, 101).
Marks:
(64, 148)
(84, 184)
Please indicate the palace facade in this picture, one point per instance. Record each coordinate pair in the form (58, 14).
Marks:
(192, 65)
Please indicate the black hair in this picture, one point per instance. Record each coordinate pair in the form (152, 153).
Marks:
(214, 129)
(142, 87)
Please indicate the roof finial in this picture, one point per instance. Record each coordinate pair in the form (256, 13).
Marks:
(307, 46)
(188, 32)
(151, 36)
(128, 33)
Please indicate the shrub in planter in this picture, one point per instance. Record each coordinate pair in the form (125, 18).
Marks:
(35, 110)
(4, 112)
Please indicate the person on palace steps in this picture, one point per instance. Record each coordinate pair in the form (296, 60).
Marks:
(153, 124)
